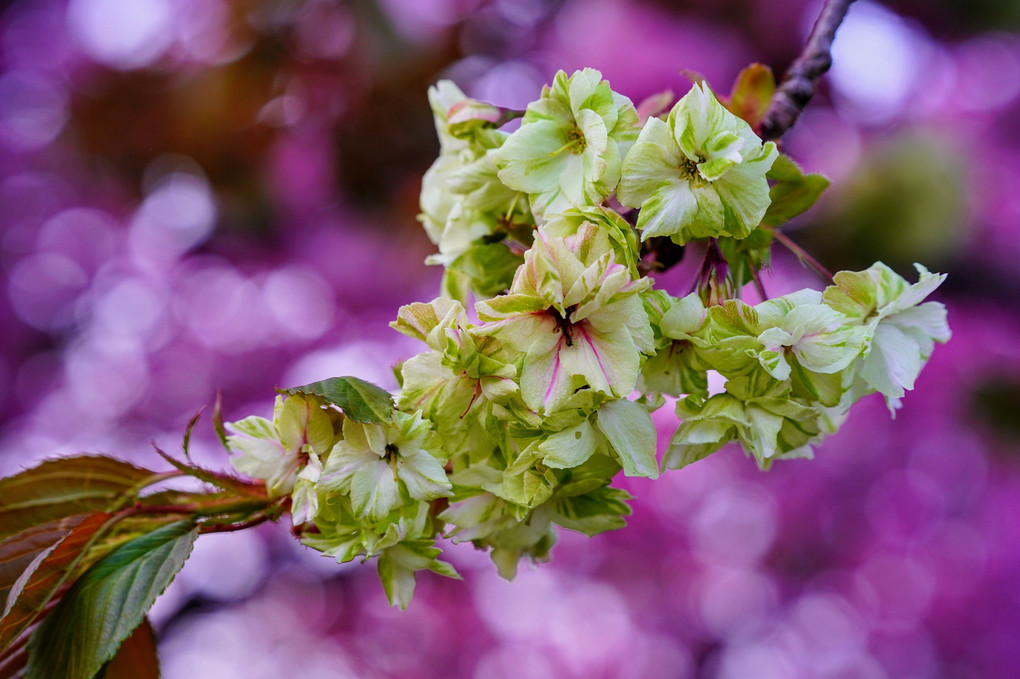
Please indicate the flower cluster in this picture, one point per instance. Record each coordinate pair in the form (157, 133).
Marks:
(520, 412)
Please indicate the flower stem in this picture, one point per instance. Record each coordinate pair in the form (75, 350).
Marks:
(756, 277)
(802, 254)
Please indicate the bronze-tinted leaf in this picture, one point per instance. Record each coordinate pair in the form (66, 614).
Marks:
(65, 487)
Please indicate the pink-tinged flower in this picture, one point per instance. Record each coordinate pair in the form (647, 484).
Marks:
(577, 317)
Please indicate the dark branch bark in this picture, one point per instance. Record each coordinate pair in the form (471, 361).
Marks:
(801, 79)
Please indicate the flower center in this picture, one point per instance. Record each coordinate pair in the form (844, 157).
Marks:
(575, 142)
(390, 454)
(689, 171)
(563, 324)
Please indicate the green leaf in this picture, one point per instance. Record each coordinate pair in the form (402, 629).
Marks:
(752, 93)
(793, 192)
(136, 658)
(219, 479)
(50, 569)
(68, 486)
(107, 604)
(360, 400)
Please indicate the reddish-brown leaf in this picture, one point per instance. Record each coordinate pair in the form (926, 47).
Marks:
(136, 658)
(752, 93)
(49, 570)
(65, 487)
(18, 551)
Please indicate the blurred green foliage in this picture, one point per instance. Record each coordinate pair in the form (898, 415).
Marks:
(905, 202)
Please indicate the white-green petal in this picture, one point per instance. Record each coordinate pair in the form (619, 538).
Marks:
(829, 352)
(745, 190)
(531, 159)
(893, 363)
(652, 160)
(684, 318)
(343, 462)
(669, 208)
(423, 475)
(374, 490)
(609, 363)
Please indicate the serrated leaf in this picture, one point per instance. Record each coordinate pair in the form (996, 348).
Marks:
(137, 657)
(185, 445)
(218, 479)
(793, 192)
(752, 93)
(65, 487)
(107, 604)
(360, 400)
(784, 169)
(50, 569)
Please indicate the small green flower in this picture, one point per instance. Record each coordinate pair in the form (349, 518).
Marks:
(900, 331)
(676, 368)
(699, 174)
(379, 464)
(568, 150)
(465, 209)
(404, 543)
(757, 411)
(612, 232)
(276, 451)
(462, 383)
(819, 338)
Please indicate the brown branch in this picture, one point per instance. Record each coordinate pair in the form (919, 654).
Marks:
(801, 79)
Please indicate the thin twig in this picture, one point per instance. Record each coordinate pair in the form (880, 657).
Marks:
(801, 79)
(802, 254)
(755, 277)
(255, 520)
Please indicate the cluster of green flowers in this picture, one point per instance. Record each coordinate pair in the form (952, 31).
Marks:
(518, 415)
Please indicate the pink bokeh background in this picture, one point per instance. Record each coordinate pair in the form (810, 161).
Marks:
(204, 195)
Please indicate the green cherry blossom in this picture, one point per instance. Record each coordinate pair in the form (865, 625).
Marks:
(901, 332)
(578, 323)
(568, 150)
(698, 174)
(677, 367)
(379, 464)
(756, 411)
(465, 209)
(817, 336)
(612, 232)
(276, 451)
